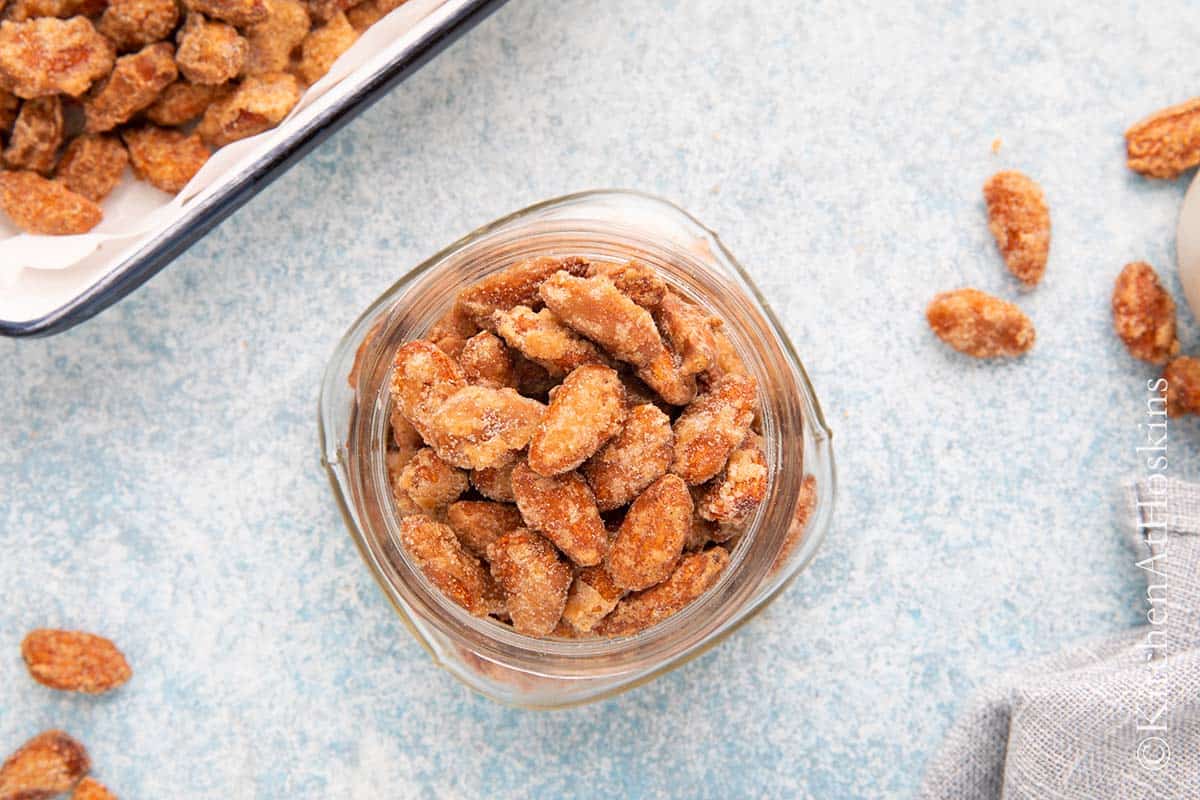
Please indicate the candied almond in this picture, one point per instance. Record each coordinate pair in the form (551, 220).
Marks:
(535, 580)
(562, 509)
(324, 10)
(586, 410)
(404, 436)
(712, 426)
(480, 427)
(165, 157)
(259, 102)
(1166, 143)
(134, 84)
(633, 278)
(133, 24)
(1020, 222)
(239, 13)
(273, 39)
(38, 205)
(1183, 386)
(92, 789)
(47, 765)
(495, 483)
(485, 362)
(543, 339)
(1144, 314)
(36, 136)
(478, 523)
(664, 374)
(183, 101)
(209, 52)
(805, 503)
(702, 533)
(652, 535)
(47, 56)
(741, 486)
(532, 378)
(695, 574)
(424, 377)
(430, 482)
(74, 661)
(452, 330)
(364, 15)
(513, 286)
(633, 459)
(728, 360)
(689, 330)
(92, 165)
(979, 324)
(591, 597)
(598, 310)
(436, 551)
(322, 46)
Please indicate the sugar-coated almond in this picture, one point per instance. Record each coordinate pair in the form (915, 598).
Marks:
(1144, 314)
(92, 789)
(424, 377)
(980, 325)
(534, 578)
(585, 411)
(478, 523)
(1020, 222)
(596, 309)
(436, 551)
(712, 426)
(485, 362)
(562, 509)
(592, 596)
(1167, 143)
(47, 765)
(495, 483)
(74, 661)
(695, 574)
(634, 279)
(430, 482)
(452, 330)
(543, 339)
(739, 488)
(479, 427)
(652, 535)
(513, 286)
(633, 459)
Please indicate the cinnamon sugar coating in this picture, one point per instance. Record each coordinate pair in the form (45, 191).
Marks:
(134, 84)
(695, 574)
(739, 488)
(485, 362)
(49, 56)
(1144, 314)
(436, 551)
(980, 325)
(563, 509)
(92, 789)
(92, 165)
(639, 282)
(534, 578)
(513, 286)
(1166, 143)
(74, 661)
(543, 339)
(592, 596)
(495, 483)
(712, 426)
(585, 411)
(652, 535)
(37, 205)
(633, 459)
(1020, 222)
(47, 765)
(479, 427)
(478, 523)
(597, 310)
(36, 136)
(429, 482)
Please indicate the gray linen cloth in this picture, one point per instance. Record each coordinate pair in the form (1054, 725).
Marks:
(1111, 720)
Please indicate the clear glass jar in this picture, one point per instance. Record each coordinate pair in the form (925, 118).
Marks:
(780, 539)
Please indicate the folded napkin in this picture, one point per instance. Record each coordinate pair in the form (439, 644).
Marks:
(1111, 720)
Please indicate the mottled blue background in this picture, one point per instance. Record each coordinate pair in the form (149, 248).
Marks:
(161, 477)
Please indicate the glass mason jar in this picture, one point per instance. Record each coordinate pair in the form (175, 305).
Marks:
(780, 539)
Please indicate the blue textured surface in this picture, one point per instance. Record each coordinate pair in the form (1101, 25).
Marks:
(161, 479)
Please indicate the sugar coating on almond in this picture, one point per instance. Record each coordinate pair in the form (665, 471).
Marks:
(979, 324)
(74, 661)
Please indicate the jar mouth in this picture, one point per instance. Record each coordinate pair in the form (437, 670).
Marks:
(793, 428)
